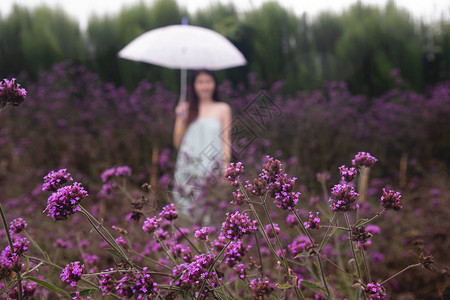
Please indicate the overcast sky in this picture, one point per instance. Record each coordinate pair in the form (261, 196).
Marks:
(428, 10)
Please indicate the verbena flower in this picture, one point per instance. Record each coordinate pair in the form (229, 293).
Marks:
(151, 224)
(108, 174)
(313, 222)
(169, 213)
(78, 296)
(291, 220)
(28, 291)
(299, 245)
(239, 198)
(271, 170)
(72, 273)
(375, 291)
(235, 252)
(17, 225)
(269, 230)
(106, 283)
(11, 93)
(391, 200)
(363, 159)
(240, 269)
(343, 198)
(237, 225)
(64, 201)
(232, 173)
(202, 234)
(123, 171)
(347, 174)
(261, 288)
(287, 200)
(54, 180)
(9, 262)
(20, 245)
(60, 243)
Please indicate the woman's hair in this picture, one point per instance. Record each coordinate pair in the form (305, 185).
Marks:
(193, 97)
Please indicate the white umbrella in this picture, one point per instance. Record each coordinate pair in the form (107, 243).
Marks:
(184, 47)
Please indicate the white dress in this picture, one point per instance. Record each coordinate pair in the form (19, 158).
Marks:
(200, 159)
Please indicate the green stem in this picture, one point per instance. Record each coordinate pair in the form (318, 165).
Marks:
(186, 238)
(36, 245)
(166, 250)
(328, 230)
(5, 225)
(353, 250)
(366, 265)
(374, 217)
(398, 273)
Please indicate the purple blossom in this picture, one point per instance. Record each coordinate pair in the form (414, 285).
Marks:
(20, 245)
(64, 201)
(108, 174)
(11, 93)
(261, 287)
(373, 229)
(238, 224)
(151, 224)
(343, 198)
(169, 213)
(202, 234)
(287, 200)
(272, 169)
(72, 273)
(191, 275)
(54, 180)
(269, 230)
(299, 245)
(123, 171)
(313, 222)
(232, 173)
(106, 282)
(60, 243)
(363, 159)
(235, 252)
(375, 291)
(391, 200)
(28, 291)
(9, 262)
(240, 269)
(17, 225)
(121, 241)
(239, 198)
(348, 174)
(291, 220)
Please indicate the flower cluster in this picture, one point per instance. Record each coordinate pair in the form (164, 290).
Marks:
(11, 93)
(343, 198)
(240, 270)
(202, 234)
(28, 291)
(137, 283)
(348, 174)
(169, 213)
(287, 200)
(363, 159)
(20, 245)
(313, 222)
(271, 169)
(239, 197)
(233, 172)
(54, 180)
(151, 224)
(359, 234)
(60, 243)
(65, 200)
(109, 174)
(235, 252)
(270, 231)
(106, 282)
(375, 291)
(391, 200)
(72, 273)
(17, 225)
(238, 224)
(261, 287)
(299, 245)
(9, 262)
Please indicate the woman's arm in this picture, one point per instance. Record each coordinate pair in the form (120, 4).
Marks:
(226, 125)
(181, 112)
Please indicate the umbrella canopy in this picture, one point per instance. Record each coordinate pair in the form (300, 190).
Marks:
(184, 47)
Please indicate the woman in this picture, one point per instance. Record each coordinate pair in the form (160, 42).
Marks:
(202, 135)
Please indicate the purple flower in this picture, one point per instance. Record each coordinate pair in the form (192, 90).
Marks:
(17, 225)
(363, 159)
(373, 229)
(348, 174)
(240, 270)
(60, 243)
(54, 180)
(64, 201)
(239, 197)
(108, 174)
(20, 245)
(123, 171)
(9, 262)
(28, 290)
(236, 225)
(11, 93)
(202, 234)
(272, 169)
(151, 224)
(235, 252)
(391, 199)
(291, 220)
(287, 200)
(232, 173)
(121, 241)
(313, 222)
(261, 287)
(106, 282)
(169, 213)
(299, 245)
(269, 230)
(375, 291)
(343, 198)
(72, 273)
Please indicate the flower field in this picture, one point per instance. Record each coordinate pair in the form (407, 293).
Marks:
(330, 195)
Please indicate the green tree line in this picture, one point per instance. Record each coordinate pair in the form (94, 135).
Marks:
(360, 46)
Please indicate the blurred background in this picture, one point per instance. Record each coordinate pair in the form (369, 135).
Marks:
(345, 77)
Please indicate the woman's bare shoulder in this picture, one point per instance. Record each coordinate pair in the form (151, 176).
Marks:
(223, 107)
